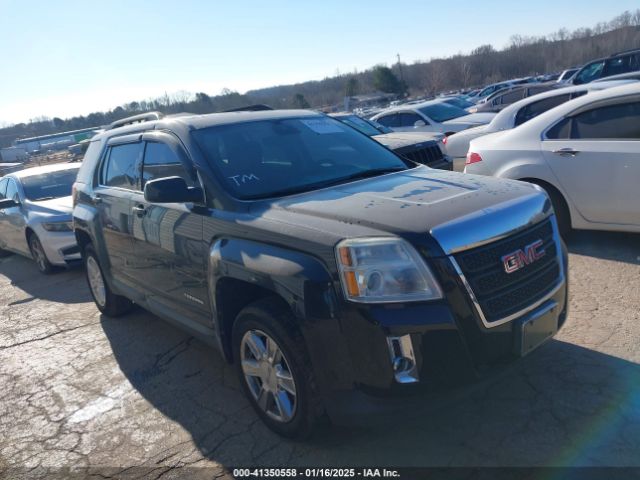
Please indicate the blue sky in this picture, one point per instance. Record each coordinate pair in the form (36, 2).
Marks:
(67, 57)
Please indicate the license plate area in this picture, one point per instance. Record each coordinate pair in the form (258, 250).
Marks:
(536, 328)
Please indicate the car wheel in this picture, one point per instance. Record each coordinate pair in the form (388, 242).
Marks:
(274, 369)
(39, 255)
(563, 217)
(107, 302)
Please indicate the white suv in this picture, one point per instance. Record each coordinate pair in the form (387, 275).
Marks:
(585, 153)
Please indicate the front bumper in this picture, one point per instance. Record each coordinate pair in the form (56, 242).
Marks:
(61, 248)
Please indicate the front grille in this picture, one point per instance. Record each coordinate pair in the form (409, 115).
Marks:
(501, 294)
(425, 155)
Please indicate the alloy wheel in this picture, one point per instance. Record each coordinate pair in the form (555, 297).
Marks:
(96, 282)
(38, 254)
(268, 375)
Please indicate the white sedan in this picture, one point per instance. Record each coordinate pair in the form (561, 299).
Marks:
(519, 113)
(35, 215)
(585, 153)
(431, 116)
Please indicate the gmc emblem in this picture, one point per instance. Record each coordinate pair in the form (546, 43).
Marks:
(521, 258)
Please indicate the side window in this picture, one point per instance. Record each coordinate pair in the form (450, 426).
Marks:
(589, 73)
(391, 120)
(12, 190)
(615, 66)
(536, 108)
(409, 119)
(160, 162)
(119, 168)
(614, 121)
(3, 188)
(560, 130)
(512, 97)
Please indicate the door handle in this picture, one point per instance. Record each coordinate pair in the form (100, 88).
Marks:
(95, 199)
(139, 210)
(566, 152)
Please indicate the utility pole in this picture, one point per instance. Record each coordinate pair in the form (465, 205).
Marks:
(400, 67)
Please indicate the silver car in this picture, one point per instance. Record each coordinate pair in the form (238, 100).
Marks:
(35, 215)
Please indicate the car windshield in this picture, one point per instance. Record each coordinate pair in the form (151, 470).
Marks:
(271, 158)
(441, 112)
(459, 102)
(46, 186)
(362, 125)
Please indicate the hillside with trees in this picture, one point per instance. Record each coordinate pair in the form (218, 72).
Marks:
(523, 56)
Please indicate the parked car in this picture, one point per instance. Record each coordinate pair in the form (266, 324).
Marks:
(584, 153)
(566, 75)
(35, 215)
(520, 112)
(460, 102)
(431, 116)
(421, 147)
(489, 89)
(615, 64)
(505, 97)
(330, 271)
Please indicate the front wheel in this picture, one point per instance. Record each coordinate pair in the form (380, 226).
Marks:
(107, 302)
(39, 255)
(274, 369)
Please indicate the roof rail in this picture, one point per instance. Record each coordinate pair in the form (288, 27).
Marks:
(625, 51)
(143, 117)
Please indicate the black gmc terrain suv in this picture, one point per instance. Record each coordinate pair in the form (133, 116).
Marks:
(333, 273)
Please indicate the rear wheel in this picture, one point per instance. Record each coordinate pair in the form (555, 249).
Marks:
(274, 369)
(563, 217)
(107, 302)
(39, 255)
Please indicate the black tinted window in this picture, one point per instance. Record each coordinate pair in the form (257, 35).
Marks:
(49, 185)
(160, 162)
(536, 108)
(120, 167)
(615, 66)
(615, 121)
(392, 120)
(409, 119)
(559, 130)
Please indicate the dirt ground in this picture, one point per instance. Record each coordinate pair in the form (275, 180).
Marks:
(135, 397)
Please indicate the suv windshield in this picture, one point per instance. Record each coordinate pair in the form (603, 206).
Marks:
(441, 112)
(49, 185)
(280, 157)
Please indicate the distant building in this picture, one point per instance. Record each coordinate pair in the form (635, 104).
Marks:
(13, 154)
(55, 141)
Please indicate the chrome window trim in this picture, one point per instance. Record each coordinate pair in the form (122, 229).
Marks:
(536, 304)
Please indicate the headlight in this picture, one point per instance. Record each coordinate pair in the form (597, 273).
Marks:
(378, 270)
(58, 226)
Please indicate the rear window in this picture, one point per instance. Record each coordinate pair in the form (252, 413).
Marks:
(536, 108)
(49, 185)
(441, 112)
(611, 122)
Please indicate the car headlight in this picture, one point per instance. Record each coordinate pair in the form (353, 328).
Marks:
(58, 226)
(379, 270)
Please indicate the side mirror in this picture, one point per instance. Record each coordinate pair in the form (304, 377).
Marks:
(171, 190)
(419, 123)
(8, 203)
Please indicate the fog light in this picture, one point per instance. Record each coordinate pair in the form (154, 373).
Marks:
(403, 359)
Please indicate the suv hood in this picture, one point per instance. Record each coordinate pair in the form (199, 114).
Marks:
(55, 206)
(412, 201)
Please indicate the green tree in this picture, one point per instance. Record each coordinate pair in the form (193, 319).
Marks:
(352, 87)
(386, 81)
(299, 101)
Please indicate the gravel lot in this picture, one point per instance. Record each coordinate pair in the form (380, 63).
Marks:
(81, 390)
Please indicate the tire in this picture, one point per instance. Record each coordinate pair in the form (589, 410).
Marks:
(563, 217)
(107, 302)
(39, 255)
(299, 413)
